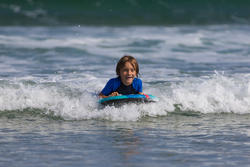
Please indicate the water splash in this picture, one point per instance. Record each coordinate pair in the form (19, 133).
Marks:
(75, 100)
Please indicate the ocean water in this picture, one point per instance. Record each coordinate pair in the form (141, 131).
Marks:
(126, 12)
(50, 78)
(55, 57)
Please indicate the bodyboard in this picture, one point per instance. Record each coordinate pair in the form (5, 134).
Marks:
(123, 99)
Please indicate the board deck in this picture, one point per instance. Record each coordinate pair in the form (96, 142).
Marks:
(133, 98)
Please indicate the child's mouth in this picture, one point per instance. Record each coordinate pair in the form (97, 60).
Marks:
(129, 77)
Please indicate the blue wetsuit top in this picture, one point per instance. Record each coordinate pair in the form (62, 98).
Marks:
(115, 85)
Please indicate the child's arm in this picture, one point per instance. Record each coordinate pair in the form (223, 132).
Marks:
(102, 95)
(107, 90)
(112, 94)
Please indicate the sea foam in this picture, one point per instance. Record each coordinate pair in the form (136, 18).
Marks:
(75, 99)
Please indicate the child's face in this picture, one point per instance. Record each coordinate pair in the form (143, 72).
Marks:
(127, 74)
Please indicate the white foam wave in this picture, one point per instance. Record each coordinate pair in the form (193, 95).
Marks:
(214, 95)
(70, 99)
(77, 100)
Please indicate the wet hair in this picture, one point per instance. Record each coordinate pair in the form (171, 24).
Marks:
(125, 59)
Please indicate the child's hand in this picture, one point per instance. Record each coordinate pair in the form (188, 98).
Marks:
(114, 94)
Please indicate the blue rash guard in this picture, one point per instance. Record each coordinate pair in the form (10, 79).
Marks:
(115, 85)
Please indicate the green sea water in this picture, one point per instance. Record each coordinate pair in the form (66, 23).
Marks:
(126, 12)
